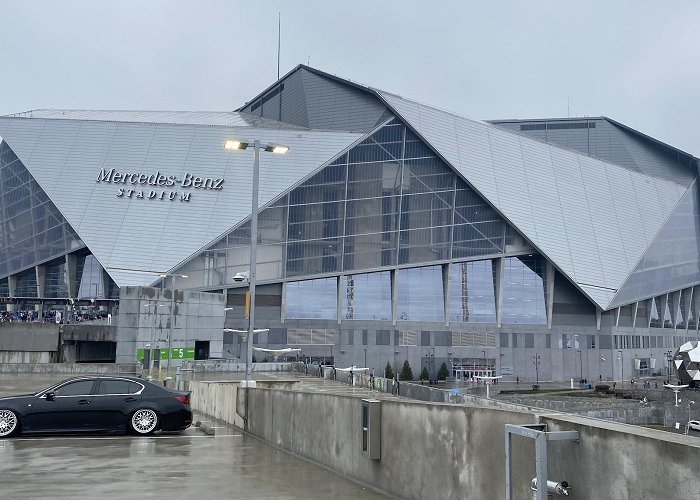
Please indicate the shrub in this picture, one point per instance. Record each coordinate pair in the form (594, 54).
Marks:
(388, 372)
(602, 388)
(443, 373)
(406, 372)
(424, 375)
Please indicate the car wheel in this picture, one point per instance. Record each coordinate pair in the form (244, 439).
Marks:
(144, 421)
(9, 423)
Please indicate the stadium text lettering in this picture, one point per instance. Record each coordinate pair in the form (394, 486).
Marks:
(135, 182)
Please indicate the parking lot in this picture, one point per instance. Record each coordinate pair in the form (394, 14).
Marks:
(185, 465)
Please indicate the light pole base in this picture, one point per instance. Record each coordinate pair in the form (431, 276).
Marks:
(248, 384)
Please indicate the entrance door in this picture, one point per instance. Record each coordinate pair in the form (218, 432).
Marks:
(201, 349)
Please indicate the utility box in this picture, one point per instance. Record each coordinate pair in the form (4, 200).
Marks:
(372, 428)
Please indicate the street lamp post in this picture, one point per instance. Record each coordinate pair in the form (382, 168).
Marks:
(622, 369)
(580, 359)
(687, 424)
(232, 144)
(669, 358)
(536, 362)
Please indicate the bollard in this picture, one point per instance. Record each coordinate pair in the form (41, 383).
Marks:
(177, 378)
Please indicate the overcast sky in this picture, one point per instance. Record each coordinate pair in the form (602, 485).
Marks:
(635, 61)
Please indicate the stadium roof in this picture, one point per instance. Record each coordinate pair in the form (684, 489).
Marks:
(594, 220)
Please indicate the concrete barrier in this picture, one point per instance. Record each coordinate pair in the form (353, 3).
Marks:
(446, 451)
(77, 368)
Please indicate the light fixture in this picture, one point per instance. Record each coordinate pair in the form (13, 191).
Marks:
(278, 149)
(234, 144)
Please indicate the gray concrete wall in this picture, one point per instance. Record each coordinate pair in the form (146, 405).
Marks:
(27, 357)
(455, 451)
(145, 318)
(30, 337)
(41, 367)
(428, 450)
(98, 332)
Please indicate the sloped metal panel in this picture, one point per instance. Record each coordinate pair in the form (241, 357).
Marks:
(548, 216)
(515, 179)
(604, 139)
(331, 105)
(611, 254)
(139, 230)
(205, 118)
(672, 261)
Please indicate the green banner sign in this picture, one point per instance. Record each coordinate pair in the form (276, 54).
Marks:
(176, 353)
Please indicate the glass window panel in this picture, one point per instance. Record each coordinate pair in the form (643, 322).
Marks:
(655, 320)
(472, 296)
(90, 286)
(420, 294)
(26, 284)
(668, 322)
(311, 299)
(366, 296)
(523, 291)
(55, 284)
(117, 387)
(80, 388)
(427, 175)
(32, 229)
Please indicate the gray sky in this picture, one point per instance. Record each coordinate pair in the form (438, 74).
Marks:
(635, 61)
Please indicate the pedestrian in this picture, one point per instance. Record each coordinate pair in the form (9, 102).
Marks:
(600, 377)
(614, 385)
(517, 380)
(656, 384)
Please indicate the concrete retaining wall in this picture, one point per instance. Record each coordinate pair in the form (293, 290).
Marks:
(27, 357)
(449, 451)
(124, 369)
(29, 337)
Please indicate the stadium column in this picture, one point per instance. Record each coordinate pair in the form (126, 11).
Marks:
(394, 294)
(446, 286)
(549, 276)
(498, 265)
(40, 287)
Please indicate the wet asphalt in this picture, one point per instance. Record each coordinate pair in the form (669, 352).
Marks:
(190, 464)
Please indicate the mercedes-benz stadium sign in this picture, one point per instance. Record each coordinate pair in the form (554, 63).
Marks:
(136, 184)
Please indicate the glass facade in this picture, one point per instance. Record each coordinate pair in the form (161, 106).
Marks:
(472, 292)
(420, 294)
(524, 291)
(312, 299)
(32, 229)
(26, 284)
(388, 201)
(89, 278)
(366, 296)
(55, 281)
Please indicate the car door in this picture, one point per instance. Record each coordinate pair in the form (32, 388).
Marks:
(66, 408)
(114, 402)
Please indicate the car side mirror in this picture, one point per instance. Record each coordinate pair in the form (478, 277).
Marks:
(50, 396)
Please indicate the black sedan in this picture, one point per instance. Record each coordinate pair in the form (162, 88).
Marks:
(96, 404)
